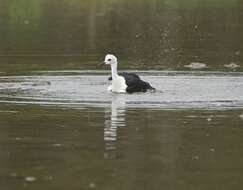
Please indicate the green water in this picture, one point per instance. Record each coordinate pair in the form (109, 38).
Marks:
(62, 130)
(65, 149)
(160, 35)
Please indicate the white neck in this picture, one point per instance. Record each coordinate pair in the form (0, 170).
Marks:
(114, 71)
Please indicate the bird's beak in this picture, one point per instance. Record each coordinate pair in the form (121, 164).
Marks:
(101, 64)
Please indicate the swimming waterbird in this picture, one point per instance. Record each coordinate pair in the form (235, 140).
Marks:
(124, 82)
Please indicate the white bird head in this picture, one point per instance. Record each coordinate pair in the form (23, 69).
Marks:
(110, 59)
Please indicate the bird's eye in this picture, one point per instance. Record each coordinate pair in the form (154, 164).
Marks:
(109, 59)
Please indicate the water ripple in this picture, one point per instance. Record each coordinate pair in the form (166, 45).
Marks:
(187, 90)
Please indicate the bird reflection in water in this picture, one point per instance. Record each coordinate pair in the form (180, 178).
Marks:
(115, 118)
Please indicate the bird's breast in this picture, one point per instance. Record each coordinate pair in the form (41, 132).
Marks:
(118, 85)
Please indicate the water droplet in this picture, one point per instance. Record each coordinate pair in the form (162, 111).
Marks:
(57, 145)
(237, 53)
(231, 65)
(30, 178)
(196, 65)
(241, 116)
(92, 185)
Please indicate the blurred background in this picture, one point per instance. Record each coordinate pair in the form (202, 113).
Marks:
(157, 34)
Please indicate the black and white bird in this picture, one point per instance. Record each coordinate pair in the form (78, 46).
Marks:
(125, 82)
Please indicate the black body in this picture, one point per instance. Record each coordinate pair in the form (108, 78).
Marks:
(134, 83)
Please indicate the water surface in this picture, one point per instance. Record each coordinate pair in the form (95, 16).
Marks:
(89, 88)
(65, 130)
(158, 35)
(60, 128)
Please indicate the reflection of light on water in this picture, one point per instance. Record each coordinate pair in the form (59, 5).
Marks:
(115, 118)
(179, 91)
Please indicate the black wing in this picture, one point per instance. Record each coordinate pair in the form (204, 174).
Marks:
(135, 84)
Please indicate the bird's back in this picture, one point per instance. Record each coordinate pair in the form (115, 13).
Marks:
(135, 84)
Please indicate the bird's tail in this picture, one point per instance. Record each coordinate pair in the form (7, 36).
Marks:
(150, 88)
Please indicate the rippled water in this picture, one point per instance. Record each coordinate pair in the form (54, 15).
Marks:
(174, 90)
(61, 129)
(65, 130)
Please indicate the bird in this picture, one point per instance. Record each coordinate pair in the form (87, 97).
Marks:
(124, 82)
